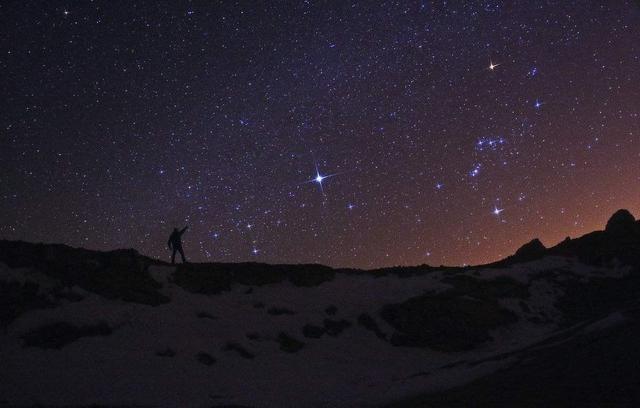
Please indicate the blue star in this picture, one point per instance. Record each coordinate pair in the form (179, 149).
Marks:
(538, 104)
(476, 170)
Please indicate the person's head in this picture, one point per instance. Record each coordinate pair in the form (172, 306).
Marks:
(175, 229)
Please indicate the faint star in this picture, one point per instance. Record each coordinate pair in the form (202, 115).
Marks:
(476, 170)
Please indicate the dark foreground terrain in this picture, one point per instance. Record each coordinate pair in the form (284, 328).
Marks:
(545, 327)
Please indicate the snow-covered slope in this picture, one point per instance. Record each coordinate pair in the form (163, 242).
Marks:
(219, 335)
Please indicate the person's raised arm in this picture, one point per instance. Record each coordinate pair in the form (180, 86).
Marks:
(184, 229)
(169, 242)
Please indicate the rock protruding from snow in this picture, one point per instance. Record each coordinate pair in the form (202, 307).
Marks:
(621, 222)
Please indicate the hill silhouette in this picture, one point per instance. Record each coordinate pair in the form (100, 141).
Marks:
(407, 336)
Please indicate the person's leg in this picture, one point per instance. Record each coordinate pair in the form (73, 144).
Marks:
(173, 256)
(182, 254)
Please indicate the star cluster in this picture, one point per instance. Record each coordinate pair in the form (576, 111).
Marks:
(347, 133)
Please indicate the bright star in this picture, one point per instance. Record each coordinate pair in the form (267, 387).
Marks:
(538, 104)
(255, 251)
(497, 211)
(319, 178)
(492, 66)
(351, 206)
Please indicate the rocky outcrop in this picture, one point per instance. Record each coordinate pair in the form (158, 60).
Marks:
(445, 322)
(621, 222)
(618, 243)
(531, 250)
(121, 274)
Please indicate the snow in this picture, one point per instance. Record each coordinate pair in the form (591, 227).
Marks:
(353, 369)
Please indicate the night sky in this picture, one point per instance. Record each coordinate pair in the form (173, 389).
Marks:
(361, 134)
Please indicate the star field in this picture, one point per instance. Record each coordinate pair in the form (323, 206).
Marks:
(345, 133)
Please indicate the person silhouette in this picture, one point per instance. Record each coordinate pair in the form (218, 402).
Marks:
(175, 243)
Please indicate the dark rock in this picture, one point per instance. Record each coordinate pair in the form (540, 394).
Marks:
(531, 250)
(313, 276)
(166, 353)
(621, 222)
(582, 300)
(16, 298)
(313, 331)
(619, 245)
(67, 294)
(594, 369)
(239, 349)
(253, 336)
(335, 327)
(205, 358)
(200, 278)
(370, 324)
(331, 310)
(445, 322)
(258, 305)
(58, 335)
(206, 315)
(219, 277)
(500, 287)
(289, 344)
(120, 274)
(278, 311)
